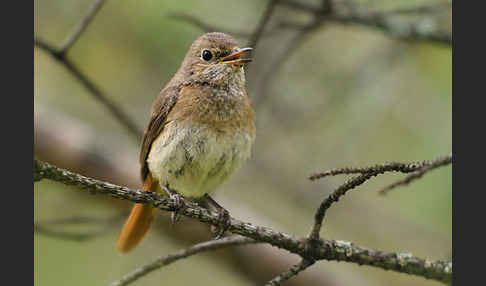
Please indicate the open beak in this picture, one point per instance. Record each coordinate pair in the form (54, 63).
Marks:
(235, 58)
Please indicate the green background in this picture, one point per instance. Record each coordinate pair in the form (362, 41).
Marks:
(348, 96)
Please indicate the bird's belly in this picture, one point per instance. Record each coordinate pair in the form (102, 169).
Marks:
(195, 160)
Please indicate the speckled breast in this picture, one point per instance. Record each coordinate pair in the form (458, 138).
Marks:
(195, 159)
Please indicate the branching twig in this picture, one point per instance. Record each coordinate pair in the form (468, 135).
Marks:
(317, 250)
(60, 55)
(366, 174)
(383, 21)
(415, 31)
(386, 167)
(309, 249)
(94, 90)
(256, 35)
(417, 175)
(334, 197)
(262, 91)
(78, 30)
(166, 260)
(259, 30)
(204, 26)
(293, 271)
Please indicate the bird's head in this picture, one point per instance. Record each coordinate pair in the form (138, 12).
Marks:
(215, 58)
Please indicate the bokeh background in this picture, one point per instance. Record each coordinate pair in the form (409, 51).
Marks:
(347, 96)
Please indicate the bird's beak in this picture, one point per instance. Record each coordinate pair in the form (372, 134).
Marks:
(235, 57)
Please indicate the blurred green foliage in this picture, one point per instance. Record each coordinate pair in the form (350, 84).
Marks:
(349, 96)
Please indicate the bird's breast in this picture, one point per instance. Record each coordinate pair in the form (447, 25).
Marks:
(195, 158)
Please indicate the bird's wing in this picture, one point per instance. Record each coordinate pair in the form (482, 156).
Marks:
(158, 118)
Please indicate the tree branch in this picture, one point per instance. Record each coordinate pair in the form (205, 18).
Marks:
(258, 32)
(317, 250)
(79, 29)
(205, 26)
(94, 90)
(386, 167)
(366, 174)
(415, 31)
(61, 146)
(408, 179)
(293, 271)
(333, 198)
(166, 260)
(261, 91)
(105, 225)
(60, 55)
(383, 21)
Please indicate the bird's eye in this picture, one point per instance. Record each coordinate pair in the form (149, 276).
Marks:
(206, 55)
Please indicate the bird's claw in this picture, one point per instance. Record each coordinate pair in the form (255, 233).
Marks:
(223, 224)
(179, 204)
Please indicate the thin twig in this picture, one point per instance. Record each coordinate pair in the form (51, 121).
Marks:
(258, 32)
(366, 174)
(333, 198)
(427, 9)
(60, 55)
(94, 90)
(416, 175)
(204, 26)
(78, 30)
(383, 21)
(385, 167)
(107, 224)
(262, 89)
(299, 5)
(83, 220)
(293, 271)
(84, 236)
(184, 253)
(317, 250)
(415, 31)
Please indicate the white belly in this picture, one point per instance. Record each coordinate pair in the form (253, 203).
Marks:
(195, 161)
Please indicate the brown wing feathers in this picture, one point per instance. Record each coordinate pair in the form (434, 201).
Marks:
(160, 109)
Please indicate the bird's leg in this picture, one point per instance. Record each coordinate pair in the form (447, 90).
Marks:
(223, 217)
(178, 199)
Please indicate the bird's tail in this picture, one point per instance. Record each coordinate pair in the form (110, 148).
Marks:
(137, 224)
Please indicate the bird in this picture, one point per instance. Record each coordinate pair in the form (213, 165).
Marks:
(201, 130)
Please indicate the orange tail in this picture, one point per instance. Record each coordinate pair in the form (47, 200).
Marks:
(137, 224)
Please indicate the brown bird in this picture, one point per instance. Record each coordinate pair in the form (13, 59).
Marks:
(200, 131)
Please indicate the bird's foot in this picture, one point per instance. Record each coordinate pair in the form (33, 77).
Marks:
(223, 224)
(179, 202)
